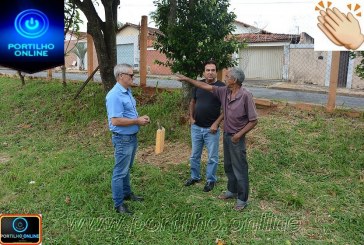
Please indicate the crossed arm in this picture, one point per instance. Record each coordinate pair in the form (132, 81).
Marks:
(214, 126)
(122, 121)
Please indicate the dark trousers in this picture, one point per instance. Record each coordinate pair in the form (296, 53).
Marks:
(236, 167)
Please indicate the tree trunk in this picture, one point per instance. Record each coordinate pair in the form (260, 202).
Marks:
(21, 78)
(64, 76)
(187, 94)
(104, 36)
(191, 3)
(172, 12)
(106, 63)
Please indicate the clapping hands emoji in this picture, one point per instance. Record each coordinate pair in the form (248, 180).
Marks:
(342, 30)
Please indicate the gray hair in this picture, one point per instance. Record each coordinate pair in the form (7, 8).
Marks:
(238, 74)
(121, 68)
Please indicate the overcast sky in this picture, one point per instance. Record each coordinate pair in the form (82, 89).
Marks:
(279, 16)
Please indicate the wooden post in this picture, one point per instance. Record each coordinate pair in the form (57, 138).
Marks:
(90, 55)
(159, 140)
(334, 74)
(143, 51)
(221, 75)
(49, 74)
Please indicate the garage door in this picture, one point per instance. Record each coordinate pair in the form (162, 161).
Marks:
(262, 63)
(125, 53)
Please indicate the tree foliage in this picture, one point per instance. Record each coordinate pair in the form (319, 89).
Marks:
(72, 18)
(72, 22)
(359, 69)
(193, 32)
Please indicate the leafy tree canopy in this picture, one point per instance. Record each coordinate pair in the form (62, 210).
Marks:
(359, 69)
(72, 18)
(194, 32)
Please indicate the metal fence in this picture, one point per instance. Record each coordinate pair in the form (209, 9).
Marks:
(307, 66)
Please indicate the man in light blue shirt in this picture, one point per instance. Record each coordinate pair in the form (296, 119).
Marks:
(124, 123)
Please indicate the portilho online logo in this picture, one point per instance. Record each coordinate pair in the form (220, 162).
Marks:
(31, 23)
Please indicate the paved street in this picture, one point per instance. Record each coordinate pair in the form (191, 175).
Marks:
(258, 92)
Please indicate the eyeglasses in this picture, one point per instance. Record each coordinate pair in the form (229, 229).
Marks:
(131, 75)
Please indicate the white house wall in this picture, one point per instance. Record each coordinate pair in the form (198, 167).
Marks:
(129, 35)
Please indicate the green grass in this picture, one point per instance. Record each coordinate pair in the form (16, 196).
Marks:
(306, 174)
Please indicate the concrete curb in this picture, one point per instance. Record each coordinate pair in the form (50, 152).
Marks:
(266, 103)
(351, 94)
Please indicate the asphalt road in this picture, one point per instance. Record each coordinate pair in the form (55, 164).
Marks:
(258, 92)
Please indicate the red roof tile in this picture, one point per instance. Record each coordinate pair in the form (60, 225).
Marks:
(264, 38)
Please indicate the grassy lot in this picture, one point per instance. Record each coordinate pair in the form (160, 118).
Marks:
(306, 172)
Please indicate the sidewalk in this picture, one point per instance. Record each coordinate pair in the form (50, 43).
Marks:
(272, 84)
(278, 84)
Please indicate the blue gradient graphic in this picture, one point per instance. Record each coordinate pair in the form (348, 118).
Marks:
(31, 23)
(26, 26)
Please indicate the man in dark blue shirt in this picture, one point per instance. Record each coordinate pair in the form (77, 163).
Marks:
(205, 117)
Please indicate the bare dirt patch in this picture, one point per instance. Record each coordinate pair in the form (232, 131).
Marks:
(264, 111)
(147, 95)
(179, 153)
(4, 158)
(174, 153)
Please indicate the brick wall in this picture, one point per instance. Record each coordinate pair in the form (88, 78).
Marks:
(152, 67)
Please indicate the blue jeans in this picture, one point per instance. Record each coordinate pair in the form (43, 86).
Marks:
(125, 147)
(236, 167)
(200, 137)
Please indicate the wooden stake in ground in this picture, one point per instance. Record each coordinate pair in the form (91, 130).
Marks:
(49, 74)
(159, 140)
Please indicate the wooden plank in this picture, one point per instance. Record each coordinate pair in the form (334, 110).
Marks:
(143, 51)
(90, 55)
(334, 74)
(159, 141)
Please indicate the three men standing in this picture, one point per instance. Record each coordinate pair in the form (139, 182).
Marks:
(205, 118)
(240, 117)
